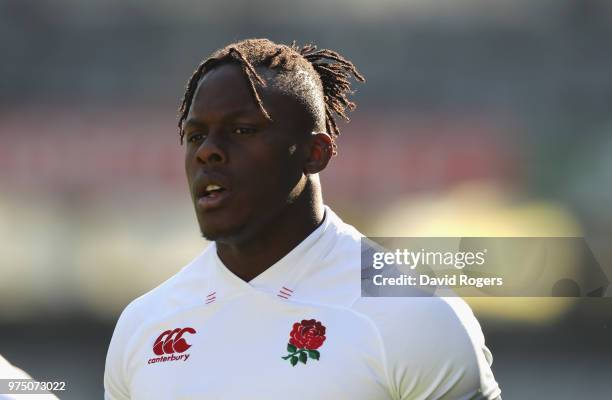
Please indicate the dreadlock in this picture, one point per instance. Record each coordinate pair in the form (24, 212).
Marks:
(319, 79)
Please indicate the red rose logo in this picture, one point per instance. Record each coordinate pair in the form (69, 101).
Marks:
(309, 334)
(304, 340)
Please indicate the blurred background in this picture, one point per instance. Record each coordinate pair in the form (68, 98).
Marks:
(477, 118)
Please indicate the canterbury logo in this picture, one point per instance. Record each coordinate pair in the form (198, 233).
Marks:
(172, 341)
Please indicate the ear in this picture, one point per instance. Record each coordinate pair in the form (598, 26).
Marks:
(321, 151)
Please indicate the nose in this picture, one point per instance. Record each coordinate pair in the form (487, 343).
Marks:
(211, 151)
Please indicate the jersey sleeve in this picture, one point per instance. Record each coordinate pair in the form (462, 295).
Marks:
(116, 386)
(433, 348)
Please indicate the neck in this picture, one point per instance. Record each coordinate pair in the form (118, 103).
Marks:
(297, 220)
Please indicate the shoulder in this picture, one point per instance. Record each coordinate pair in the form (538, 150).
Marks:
(346, 241)
(434, 347)
(179, 291)
(176, 293)
(426, 319)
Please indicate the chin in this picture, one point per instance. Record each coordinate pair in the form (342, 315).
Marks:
(232, 226)
(216, 233)
(218, 225)
(226, 232)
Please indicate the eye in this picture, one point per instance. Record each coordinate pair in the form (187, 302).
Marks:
(244, 130)
(195, 137)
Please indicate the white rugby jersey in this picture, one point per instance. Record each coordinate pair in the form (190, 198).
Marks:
(299, 330)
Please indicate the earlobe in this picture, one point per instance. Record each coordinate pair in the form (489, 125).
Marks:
(321, 151)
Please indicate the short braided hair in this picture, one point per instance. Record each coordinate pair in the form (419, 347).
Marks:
(319, 79)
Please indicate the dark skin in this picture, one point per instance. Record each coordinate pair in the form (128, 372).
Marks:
(271, 196)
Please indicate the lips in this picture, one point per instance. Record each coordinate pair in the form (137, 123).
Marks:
(213, 200)
(211, 192)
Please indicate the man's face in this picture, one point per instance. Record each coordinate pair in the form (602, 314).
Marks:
(242, 169)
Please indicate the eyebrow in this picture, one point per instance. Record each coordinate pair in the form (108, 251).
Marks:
(226, 117)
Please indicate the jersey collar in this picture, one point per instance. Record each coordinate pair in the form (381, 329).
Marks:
(280, 279)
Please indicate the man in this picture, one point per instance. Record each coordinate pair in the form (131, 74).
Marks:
(272, 308)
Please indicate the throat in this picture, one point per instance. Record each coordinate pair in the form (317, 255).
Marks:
(248, 259)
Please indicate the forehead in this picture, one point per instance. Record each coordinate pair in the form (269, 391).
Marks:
(223, 89)
(226, 90)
